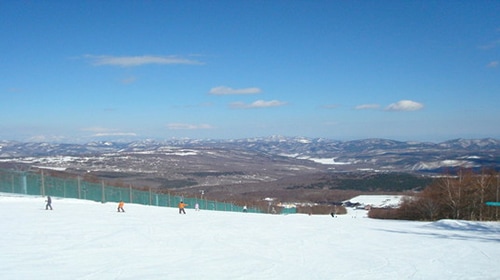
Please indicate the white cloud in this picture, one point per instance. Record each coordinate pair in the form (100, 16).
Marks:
(258, 104)
(223, 90)
(186, 126)
(367, 106)
(129, 61)
(493, 64)
(405, 105)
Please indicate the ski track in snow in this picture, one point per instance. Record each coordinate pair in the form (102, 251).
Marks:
(90, 240)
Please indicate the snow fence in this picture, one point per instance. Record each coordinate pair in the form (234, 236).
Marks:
(33, 183)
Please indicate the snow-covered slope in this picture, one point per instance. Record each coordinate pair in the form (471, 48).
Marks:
(379, 201)
(89, 240)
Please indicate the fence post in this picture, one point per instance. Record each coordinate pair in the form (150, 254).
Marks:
(42, 187)
(130, 193)
(12, 175)
(103, 193)
(79, 187)
(64, 187)
(150, 194)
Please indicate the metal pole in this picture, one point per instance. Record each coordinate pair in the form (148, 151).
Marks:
(25, 184)
(201, 198)
(150, 196)
(12, 176)
(79, 187)
(103, 193)
(43, 185)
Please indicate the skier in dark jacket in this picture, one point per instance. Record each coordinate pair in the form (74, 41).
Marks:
(49, 203)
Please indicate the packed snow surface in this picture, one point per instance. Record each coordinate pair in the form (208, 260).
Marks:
(379, 201)
(90, 240)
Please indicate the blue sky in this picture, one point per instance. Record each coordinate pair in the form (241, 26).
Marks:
(404, 70)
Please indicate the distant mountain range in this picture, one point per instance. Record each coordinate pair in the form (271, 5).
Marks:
(359, 155)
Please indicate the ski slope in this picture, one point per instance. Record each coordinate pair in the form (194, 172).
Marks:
(90, 240)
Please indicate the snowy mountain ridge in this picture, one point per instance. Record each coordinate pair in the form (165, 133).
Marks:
(384, 154)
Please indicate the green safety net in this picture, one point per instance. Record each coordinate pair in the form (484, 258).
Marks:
(31, 183)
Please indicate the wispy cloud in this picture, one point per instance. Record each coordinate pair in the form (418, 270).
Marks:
(187, 126)
(96, 129)
(493, 64)
(491, 45)
(199, 105)
(332, 123)
(46, 138)
(128, 80)
(223, 90)
(130, 61)
(257, 104)
(405, 105)
(367, 107)
(14, 90)
(106, 132)
(330, 106)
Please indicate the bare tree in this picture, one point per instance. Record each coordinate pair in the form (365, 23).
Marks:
(482, 183)
(430, 203)
(458, 197)
(451, 188)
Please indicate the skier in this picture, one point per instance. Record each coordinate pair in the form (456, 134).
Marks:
(182, 205)
(245, 209)
(120, 206)
(49, 203)
(197, 207)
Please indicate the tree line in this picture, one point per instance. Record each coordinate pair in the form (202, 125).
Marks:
(369, 182)
(452, 196)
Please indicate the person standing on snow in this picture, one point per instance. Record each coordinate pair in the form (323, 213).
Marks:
(182, 205)
(120, 206)
(49, 203)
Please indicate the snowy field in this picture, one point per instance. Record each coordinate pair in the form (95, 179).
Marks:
(90, 240)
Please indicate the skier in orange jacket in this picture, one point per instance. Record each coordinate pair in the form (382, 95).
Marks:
(120, 206)
(181, 207)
